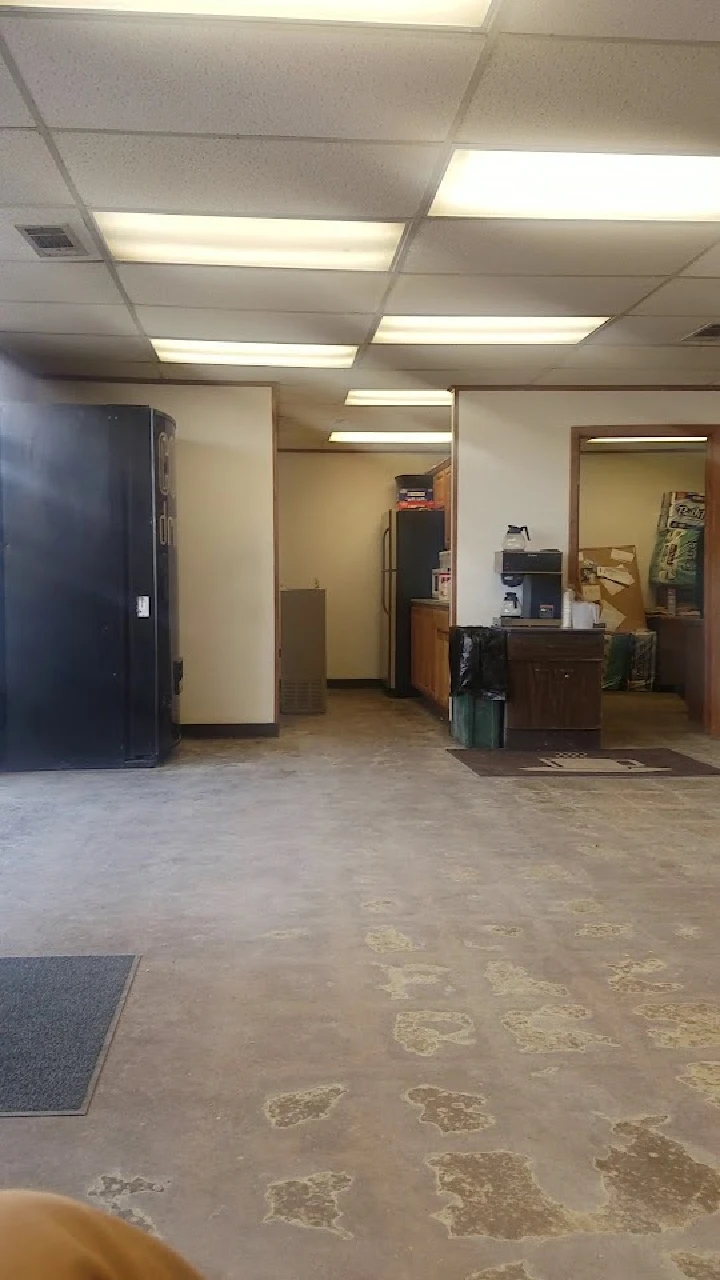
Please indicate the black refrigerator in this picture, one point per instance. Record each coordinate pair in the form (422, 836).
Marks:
(411, 546)
(89, 666)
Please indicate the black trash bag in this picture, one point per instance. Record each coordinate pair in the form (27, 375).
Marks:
(478, 662)
(464, 661)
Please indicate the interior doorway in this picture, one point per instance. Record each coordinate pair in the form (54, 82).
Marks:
(651, 560)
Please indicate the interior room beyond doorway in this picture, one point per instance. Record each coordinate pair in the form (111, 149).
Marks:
(641, 558)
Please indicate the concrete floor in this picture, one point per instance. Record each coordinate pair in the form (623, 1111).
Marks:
(392, 1021)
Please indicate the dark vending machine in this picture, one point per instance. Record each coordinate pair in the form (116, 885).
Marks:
(89, 667)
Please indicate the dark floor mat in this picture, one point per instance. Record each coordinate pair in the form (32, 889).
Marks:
(57, 1018)
(643, 763)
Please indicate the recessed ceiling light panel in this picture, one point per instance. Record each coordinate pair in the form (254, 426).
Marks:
(390, 437)
(280, 355)
(579, 185)
(647, 440)
(486, 330)
(427, 397)
(422, 13)
(313, 243)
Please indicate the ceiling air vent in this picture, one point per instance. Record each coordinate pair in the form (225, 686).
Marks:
(54, 242)
(708, 333)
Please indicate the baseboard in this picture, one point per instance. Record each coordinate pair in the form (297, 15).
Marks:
(354, 684)
(230, 730)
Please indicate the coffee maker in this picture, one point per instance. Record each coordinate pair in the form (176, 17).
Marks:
(540, 575)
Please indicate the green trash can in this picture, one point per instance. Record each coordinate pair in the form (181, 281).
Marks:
(477, 721)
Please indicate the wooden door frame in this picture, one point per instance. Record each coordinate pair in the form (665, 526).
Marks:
(712, 537)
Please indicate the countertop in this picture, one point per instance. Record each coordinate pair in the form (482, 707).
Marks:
(542, 628)
(433, 604)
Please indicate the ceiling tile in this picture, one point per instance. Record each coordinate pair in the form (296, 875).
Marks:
(365, 373)
(707, 265)
(646, 331)
(641, 19)
(522, 357)
(249, 288)
(683, 297)
(29, 175)
(588, 357)
(596, 95)
(260, 375)
(88, 346)
(519, 247)
(264, 178)
(13, 246)
(238, 78)
(13, 112)
(57, 282)
(61, 317)
(253, 326)
(633, 377)
(111, 370)
(516, 295)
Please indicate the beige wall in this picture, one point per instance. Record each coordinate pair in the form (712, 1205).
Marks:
(513, 466)
(225, 541)
(331, 512)
(620, 498)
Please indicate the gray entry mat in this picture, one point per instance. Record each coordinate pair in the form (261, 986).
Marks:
(58, 1015)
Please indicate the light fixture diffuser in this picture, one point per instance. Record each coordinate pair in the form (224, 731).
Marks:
(579, 185)
(280, 355)
(647, 440)
(390, 437)
(417, 399)
(485, 330)
(421, 13)
(196, 240)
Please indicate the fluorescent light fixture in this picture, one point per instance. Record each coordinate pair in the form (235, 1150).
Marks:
(188, 239)
(647, 440)
(416, 399)
(390, 437)
(281, 355)
(584, 185)
(486, 330)
(421, 13)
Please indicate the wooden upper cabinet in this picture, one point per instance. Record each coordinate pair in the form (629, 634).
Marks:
(442, 493)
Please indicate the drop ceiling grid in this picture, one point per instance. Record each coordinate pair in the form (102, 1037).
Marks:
(391, 115)
(673, 20)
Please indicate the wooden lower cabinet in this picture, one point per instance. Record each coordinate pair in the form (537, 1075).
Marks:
(429, 653)
(680, 659)
(555, 699)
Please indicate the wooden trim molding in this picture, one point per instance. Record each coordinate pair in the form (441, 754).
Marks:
(229, 731)
(588, 386)
(711, 604)
(276, 547)
(454, 469)
(712, 536)
(352, 683)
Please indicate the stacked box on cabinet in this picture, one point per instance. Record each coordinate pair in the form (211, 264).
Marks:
(675, 568)
(414, 492)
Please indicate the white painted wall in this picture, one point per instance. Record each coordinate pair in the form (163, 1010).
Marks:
(225, 541)
(513, 466)
(331, 508)
(620, 497)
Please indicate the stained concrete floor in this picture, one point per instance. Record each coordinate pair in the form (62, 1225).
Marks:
(392, 1021)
